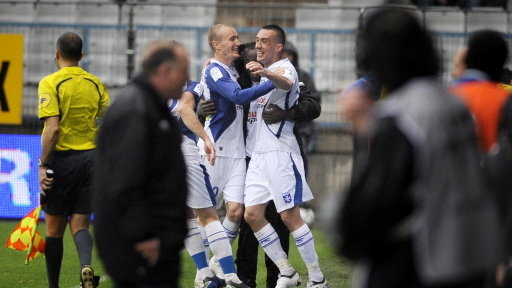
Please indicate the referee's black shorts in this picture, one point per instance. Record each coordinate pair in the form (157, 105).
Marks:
(71, 192)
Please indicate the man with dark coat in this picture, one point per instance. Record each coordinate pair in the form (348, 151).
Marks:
(418, 213)
(140, 176)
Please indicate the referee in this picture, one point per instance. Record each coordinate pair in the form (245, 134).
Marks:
(70, 102)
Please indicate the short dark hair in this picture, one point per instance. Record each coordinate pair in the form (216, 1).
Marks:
(487, 52)
(70, 46)
(244, 79)
(157, 53)
(394, 47)
(290, 49)
(248, 45)
(281, 36)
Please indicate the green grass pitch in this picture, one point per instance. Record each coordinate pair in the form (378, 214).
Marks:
(14, 273)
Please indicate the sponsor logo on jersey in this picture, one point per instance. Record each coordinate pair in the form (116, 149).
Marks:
(261, 100)
(252, 117)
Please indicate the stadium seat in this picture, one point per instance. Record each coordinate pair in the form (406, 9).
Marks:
(487, 18)
(19, 12)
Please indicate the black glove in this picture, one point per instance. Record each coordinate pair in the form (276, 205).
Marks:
(274, 114)
(206, 108)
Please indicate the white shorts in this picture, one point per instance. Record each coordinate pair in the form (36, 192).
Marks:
(200, 191)
(277, 176)
(228, 179)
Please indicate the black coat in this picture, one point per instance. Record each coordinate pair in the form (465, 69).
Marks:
(140, 186)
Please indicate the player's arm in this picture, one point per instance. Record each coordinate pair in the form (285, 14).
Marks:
(283, 81)
(189, 117)
(48, 142)
(48, 110)
(104, 100)
(307, 109)
(219, 81)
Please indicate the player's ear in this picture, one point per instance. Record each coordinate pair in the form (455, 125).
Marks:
(279, 47)
(81, 55)
(215, 44)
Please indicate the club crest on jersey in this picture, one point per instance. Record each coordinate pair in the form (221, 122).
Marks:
(215, 73)
(287, 198)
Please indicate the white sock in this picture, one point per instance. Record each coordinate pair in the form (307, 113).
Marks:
(219, 244)
(269, 241)
(205, 241)
(231, 229)
(195, 247)
(306, 246)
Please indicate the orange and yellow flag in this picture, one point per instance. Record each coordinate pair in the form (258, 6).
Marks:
(26, 237)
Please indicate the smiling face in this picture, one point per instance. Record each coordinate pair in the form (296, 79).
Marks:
(268, 48)
(226, 45)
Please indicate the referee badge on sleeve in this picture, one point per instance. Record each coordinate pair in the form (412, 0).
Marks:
(44, 100)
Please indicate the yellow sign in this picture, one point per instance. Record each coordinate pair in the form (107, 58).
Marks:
(11, 78)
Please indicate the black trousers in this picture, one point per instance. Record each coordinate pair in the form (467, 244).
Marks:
(247, 253)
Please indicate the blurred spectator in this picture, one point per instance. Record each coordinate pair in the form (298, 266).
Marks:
(356, 101)
(140, 176)
(405, 218)
(356, 107)
(483, 60)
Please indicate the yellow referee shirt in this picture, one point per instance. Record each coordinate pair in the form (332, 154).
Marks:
(79, 99)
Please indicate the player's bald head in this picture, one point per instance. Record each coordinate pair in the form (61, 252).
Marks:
(69, 45)
(161, 51)
(215, 33)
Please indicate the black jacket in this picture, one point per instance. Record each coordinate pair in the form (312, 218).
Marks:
(140, 186)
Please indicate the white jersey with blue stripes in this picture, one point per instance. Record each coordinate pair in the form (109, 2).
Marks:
(265, 137)
(225, 127)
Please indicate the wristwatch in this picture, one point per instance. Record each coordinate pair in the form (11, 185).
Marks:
(41, 164)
